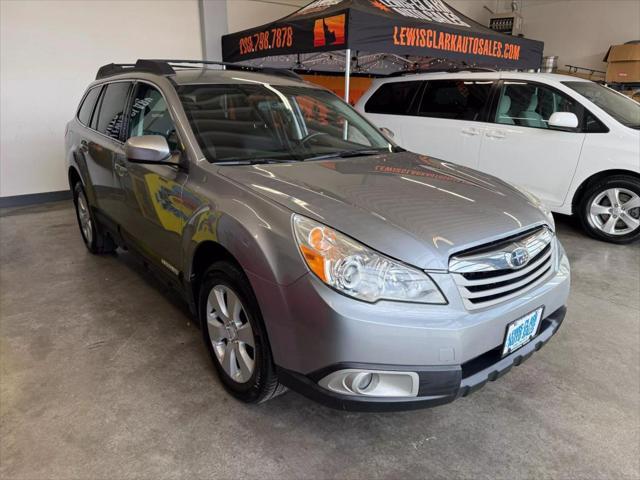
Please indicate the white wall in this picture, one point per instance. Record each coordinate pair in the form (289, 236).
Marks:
(242, 14)
(580, 31)
(475, 9)
(50, 51)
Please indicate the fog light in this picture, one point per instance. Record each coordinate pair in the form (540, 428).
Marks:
(361, 382)
(372, 383)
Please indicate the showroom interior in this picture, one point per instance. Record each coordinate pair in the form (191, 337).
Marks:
(366, 312)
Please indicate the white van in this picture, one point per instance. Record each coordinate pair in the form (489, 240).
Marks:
(571, 142)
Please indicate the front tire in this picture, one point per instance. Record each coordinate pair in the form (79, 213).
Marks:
(235, 336)
(609, 210)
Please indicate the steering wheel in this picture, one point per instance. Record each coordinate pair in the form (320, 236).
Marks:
(310, 136)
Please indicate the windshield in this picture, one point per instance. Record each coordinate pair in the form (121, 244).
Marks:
(258, 121)
(623, 109)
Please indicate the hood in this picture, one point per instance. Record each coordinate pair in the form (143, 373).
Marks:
(410, 207)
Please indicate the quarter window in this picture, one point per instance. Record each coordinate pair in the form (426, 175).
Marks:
(455, 99)
(393, 98)
(112, 105)
(86, 109)
(150, 116)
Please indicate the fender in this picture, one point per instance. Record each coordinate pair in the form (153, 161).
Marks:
(256, 232)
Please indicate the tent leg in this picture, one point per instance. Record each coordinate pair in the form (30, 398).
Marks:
(347, 73)
(347, 78)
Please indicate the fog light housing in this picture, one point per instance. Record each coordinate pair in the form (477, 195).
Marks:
(372, 383)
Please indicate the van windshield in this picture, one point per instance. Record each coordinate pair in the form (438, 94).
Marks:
(623, 109)
(258, 121)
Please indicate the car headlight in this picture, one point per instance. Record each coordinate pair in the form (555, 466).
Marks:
(536, 202)
(355, 270)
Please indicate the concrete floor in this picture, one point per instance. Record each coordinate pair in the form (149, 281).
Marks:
(103, 375)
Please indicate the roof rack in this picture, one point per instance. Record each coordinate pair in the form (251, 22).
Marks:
(441, 70)
(166, 67)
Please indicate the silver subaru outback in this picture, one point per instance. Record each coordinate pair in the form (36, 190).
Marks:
(315, 253)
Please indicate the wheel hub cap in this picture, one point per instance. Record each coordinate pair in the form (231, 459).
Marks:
(85, 218)
(615, 211)
(231, 333)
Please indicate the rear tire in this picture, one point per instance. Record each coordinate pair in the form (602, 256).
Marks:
(96, 241)
(609, 209)
(234, 334)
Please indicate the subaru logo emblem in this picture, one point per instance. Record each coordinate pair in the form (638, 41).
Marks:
(518, 258)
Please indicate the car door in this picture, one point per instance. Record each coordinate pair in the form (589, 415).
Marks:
(104, 147)
(520, 147)
(449, 120)
(155, 215)
(391, 107)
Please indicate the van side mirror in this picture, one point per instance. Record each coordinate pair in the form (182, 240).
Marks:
(387, 132)
(563, 120)
(152, 149)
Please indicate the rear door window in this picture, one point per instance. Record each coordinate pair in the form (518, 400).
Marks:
(455, 99)
(112, 106)
(393, 98)
(86, 109)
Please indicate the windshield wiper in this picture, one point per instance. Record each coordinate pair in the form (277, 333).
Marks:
(253, 161)
(354, 153)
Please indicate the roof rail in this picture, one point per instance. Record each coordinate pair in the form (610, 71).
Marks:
(149, 66)
(166, 67)
(441, 70)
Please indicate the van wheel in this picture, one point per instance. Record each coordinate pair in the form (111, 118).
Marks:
(610, 209)
(95, 241)
(235, 336)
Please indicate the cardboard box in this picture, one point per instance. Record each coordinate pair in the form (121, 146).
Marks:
(623, 63)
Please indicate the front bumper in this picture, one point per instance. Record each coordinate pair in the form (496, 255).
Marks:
(314, 330)
(438, 385)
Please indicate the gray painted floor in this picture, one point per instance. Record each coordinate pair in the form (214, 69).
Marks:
(103, 375)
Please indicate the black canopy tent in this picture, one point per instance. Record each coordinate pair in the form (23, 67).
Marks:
(378, 37)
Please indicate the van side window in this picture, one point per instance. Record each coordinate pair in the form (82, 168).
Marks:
(150, 116)
(455, 99)
(531, 105)
(393, 98)
(112, 105)
(86, 109)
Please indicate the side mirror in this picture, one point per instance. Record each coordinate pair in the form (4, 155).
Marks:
(387, 133)
(147, 149)
(563, 120)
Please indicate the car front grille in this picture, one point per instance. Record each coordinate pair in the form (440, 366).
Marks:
(502, 270)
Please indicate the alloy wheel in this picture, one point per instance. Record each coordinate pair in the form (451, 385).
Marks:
(231, 333)
(615, 211)
(85, 218)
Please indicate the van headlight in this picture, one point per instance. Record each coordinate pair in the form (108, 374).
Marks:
(357, 271)
(536, 202)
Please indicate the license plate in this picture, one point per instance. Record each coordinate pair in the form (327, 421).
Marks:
(521, 331)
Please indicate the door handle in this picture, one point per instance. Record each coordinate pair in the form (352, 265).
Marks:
(472, 132)
(84, 147)
(121, 170)
(495, 134)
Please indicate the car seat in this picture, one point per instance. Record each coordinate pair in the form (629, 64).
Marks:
(531, 118)
(503, 111)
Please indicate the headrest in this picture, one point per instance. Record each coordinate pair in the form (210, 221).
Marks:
(505, 104)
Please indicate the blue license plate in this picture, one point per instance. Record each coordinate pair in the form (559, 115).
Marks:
(521, 331)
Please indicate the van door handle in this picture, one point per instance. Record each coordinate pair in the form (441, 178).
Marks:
(495, 134)
(84, 147)
(472, 132)
(121, 170)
